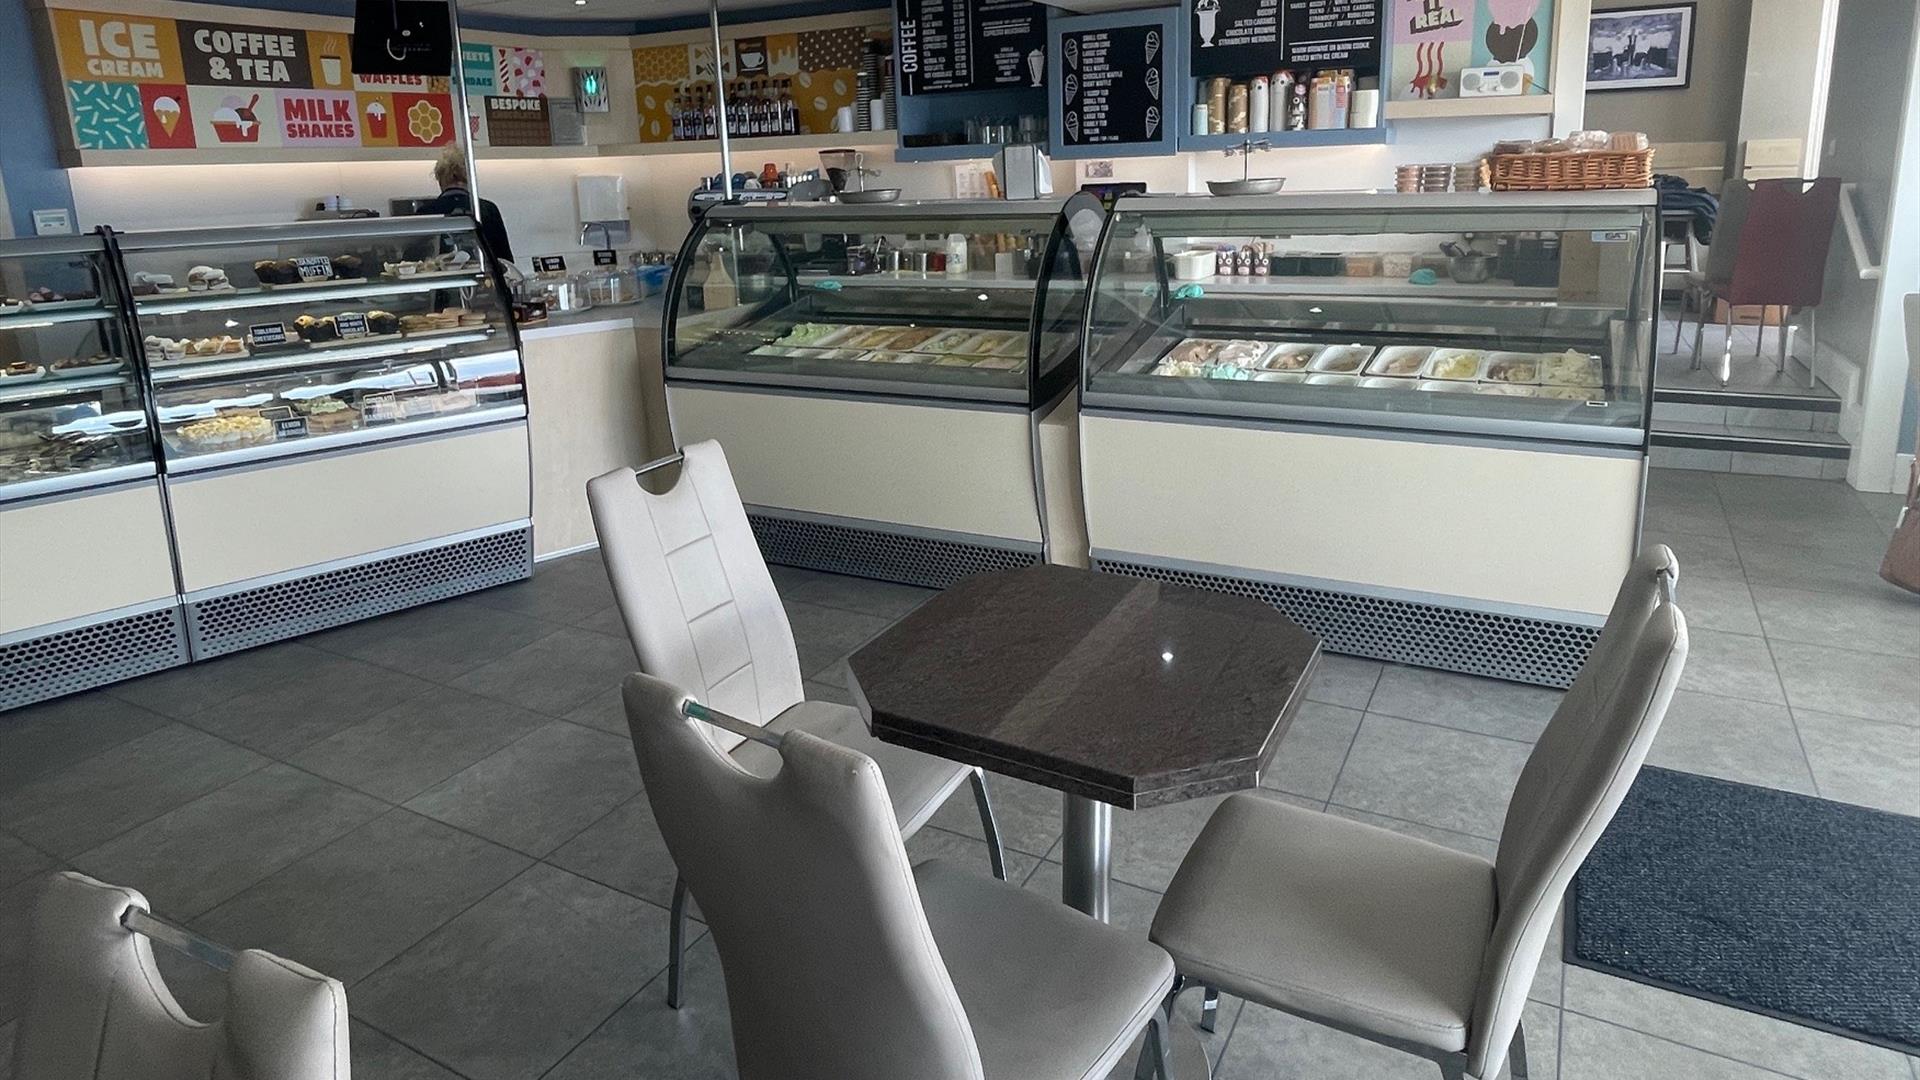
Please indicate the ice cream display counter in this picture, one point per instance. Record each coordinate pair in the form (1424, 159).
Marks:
(1417, 423)
(885, 378)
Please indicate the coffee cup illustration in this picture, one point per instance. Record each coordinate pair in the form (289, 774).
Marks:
(330, 70)
(1208, 11)
(235, 122)
(376, 120)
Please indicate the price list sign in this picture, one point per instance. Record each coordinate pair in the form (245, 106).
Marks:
(948, 45)
(1240, 38)
(1112, 85)
(1333, 33)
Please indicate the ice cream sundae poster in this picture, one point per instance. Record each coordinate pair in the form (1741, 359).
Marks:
(1434, 39)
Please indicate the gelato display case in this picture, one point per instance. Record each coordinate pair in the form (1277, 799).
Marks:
(1417, 423)
(86, 585)
(888, 379)
(340, 418)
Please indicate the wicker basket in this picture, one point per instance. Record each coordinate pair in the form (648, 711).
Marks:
(1588, 171)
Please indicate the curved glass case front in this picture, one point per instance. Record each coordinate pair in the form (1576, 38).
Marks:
(71, 411)
(1522, 315)
(260, 342)
(970, 300)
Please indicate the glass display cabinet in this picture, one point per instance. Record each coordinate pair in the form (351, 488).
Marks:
(1417, 422)
(886, 378)
(341, 416)
(86, 587)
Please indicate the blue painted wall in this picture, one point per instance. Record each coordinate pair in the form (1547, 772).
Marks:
(28, 161)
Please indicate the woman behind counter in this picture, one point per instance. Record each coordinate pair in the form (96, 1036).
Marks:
(450, 172)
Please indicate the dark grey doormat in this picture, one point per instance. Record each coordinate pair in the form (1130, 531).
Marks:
(1799, 908)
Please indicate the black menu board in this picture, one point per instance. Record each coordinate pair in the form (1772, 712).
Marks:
(1113, 83)
(1332, 33)
(969, 44)
(1234, 37)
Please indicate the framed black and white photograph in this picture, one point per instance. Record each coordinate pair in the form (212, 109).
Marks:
(1641, 48)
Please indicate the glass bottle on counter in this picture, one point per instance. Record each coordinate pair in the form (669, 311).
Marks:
(709, 119)
(789, 112)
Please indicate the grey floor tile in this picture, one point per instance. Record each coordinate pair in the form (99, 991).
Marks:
(538, 793)
(648, 1039)
(885, 599)
(363, 899)
(1700, 556)
(1148, 845)
(180, 692)
(8, 1032)
(1734, 1035)
(562, 590)
(17, 905)
(1309, 756)
(329, 694)
(438, 641)
(606, 711)
(1268, 1043)
(966, 853)
(508, 988)
(1851, 683)
(1747, 741)
(1806, 529)
(606, 621)
(1731, 665)
(556, 674)
(103, 796)
(623, 850)
(1028, 814)
(1714, 603)
(823, 691)
(45, 738)
(376, 1057)
(414, 745)
(1457, 780)
(192, 858)
(1467, 702)
(1344, 680)
(1887, 621)
(1868, 762)
(1883, 507)
(1835, 568)
(20, 861)
(825, 635)
(1703, 519)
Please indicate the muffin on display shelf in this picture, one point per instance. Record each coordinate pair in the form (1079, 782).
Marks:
(382, 322)
(328, 414)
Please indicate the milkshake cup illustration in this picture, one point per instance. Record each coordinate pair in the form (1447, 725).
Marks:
(376, 120)
(167, 111)
(1208, 10)
(1037, 66)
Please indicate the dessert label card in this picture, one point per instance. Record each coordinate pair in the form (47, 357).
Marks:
(351, 324)
(267, 335)
(314, 267)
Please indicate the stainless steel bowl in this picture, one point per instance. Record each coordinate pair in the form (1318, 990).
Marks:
(871, 195)
(1258, 185)
(1471, 269)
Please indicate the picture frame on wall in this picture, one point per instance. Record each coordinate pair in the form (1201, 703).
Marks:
(1641, 48)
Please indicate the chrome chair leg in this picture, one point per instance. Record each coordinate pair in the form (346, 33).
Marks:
(1209, 1008)
(1680, 319)
(1517, 1053)
(1813, 346)
(1786, 337)
(1156, 1053)
(1700, 327)
(1726, 355)
(676, 942)
(996, 854)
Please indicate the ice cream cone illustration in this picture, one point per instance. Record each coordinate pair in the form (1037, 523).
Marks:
(376, 120)
(167, 111)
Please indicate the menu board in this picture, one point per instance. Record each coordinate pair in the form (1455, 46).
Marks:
(1238, 38)
(1111, 85)
(136, 82)
(948, 45)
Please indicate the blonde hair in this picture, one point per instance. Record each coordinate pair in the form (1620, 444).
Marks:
(451, 169)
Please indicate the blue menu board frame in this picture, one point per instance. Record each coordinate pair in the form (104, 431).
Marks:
(1173, 96)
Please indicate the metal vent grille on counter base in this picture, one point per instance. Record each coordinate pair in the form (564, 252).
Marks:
(926, 561)
(69, 661)
(248, 617)
(1509, 647)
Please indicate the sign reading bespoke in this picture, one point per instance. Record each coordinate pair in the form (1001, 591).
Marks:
(1112, 85)
(219, 54)
(970, 44)
(519, 121)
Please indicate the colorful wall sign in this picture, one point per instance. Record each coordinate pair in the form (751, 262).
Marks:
(819, 67)
(1434, 39)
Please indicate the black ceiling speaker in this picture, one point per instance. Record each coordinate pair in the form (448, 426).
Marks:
(402, 37)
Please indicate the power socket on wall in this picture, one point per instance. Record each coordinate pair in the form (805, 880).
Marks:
(55, 222)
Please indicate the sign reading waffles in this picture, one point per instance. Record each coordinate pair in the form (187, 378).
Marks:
(141, 83)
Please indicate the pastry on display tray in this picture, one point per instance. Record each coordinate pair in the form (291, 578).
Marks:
(1403, 361)
(1454, 364)
(149, 283)
(224, 347)
(1570, 368)
(20, 371)
(76, 367)
(11, 304)
(1341, 359)
(1290, 356)
(208, 279)
(226, 432)
(328, 414)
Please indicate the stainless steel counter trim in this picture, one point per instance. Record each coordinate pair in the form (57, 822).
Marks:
(1492, 203)
(1445, 430)
(361, 290)
(313, 360)
(362, 439)
(1383, 592)
(72, 485)
(761, 213)
(79, 621)
(742, 382)
(215, 591)
(251, 235)
(924, 532)
(32, 318)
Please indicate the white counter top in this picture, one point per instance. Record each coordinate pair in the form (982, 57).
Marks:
(644, 315)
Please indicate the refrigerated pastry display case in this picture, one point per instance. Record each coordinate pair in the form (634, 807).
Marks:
(1416, 423)
(891, 382)
(86, 573)
(340, 417)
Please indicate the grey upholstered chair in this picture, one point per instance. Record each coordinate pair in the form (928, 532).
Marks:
(1408, 943)
(841, 960)
(98, 1009)
(703, 614)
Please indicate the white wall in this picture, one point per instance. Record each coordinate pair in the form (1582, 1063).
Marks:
(1784, 73)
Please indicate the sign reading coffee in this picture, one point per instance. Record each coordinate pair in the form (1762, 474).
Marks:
(220, 54)
(1112, 85)
(949, 45)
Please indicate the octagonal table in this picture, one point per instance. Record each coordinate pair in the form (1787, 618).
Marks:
(1116, 691)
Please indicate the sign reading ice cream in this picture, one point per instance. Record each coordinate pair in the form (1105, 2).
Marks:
(115, 48)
